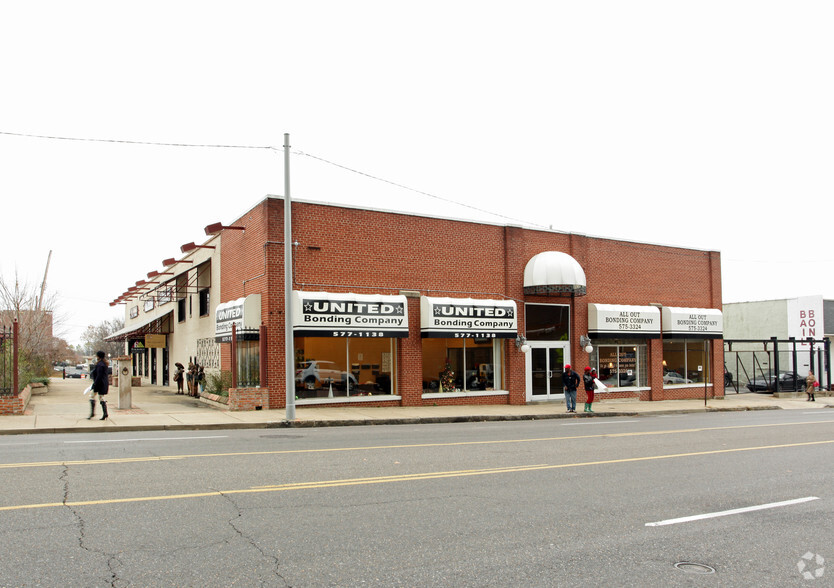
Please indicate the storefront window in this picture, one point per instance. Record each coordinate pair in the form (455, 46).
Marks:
(248, 364)
(620, 365)
(342, 367)
(461, 365)
(682, 360)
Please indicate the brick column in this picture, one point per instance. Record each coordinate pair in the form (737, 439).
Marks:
(410, 359)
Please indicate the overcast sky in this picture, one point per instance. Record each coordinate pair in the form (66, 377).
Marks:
(698, 124)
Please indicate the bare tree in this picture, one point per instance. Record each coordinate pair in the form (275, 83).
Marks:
(94, 338)
(34, 313)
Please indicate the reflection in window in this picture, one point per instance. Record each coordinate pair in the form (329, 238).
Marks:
(681, 360)
(342, 367)
(461, 365)
(621, 365)
(547, 322)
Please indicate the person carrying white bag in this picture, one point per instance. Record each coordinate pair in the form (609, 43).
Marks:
(100, 385)
(598, 383)
(588, 382)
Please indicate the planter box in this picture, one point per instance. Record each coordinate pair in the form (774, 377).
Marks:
(15, 403)
(248, 398)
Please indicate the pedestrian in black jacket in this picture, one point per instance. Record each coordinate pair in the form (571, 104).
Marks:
(570, 379)
(588, 382)
(100, 385)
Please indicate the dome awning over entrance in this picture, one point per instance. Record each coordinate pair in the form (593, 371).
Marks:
(554, 273)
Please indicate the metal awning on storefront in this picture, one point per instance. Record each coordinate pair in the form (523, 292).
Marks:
(328, 314)
(620, 320)
(693, 323)
(468, 317)
(160, 325)
(244, 314)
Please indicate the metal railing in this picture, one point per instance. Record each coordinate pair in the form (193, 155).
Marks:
(761, 361)
(8, 360)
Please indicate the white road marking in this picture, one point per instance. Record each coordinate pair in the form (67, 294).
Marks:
(725, 513)
(149, 439)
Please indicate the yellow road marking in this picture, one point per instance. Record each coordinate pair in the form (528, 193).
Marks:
(404, 477)
(120, 460)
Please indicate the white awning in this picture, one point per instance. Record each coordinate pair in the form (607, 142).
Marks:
(554, 272)
(244, 313)
(468, 318)
(327, 314)
(693, 323)
(617, 320)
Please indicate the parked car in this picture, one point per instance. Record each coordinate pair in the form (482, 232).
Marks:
(74, 372)
(675, 378)
(318, 374)
(788, 381)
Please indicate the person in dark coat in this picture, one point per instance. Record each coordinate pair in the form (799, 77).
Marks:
(588, 382)
(570, 379)
(100, 385)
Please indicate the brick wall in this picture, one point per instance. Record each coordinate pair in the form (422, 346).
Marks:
(373, 252)
(248, 399)
(15, 403)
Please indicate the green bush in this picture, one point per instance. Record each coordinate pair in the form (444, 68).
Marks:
(219, 383)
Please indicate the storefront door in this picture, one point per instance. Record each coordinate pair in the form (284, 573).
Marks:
(545, 363)
(153, 365)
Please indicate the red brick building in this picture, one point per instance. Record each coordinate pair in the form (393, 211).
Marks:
(393, 308)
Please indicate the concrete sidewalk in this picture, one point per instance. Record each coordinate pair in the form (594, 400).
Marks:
(61, 408)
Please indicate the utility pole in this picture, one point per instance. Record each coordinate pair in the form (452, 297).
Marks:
(288, 244)
(43, 284)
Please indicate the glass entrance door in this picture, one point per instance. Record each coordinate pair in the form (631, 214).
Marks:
(545, 364)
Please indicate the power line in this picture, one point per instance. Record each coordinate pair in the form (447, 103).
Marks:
(415, 190)
(129, 142)
(271, 148)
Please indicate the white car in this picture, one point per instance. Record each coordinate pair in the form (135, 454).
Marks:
(318, 374)
(675, 378)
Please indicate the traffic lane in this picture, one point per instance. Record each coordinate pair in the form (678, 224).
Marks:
(139, 444)
(502, 515)
(104, 448)
(264, 465)
(585, 525)
(150, 544)
(183, 480)
(553, 526)
(182, 441)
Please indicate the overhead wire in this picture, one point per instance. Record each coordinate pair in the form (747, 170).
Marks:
(271, 148)
(344, 167)
(131, 142)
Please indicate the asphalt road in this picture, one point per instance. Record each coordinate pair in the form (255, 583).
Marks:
(601, 502)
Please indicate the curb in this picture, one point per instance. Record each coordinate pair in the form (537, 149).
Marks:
(309, 424)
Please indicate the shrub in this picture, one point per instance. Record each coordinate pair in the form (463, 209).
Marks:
(219, 383)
